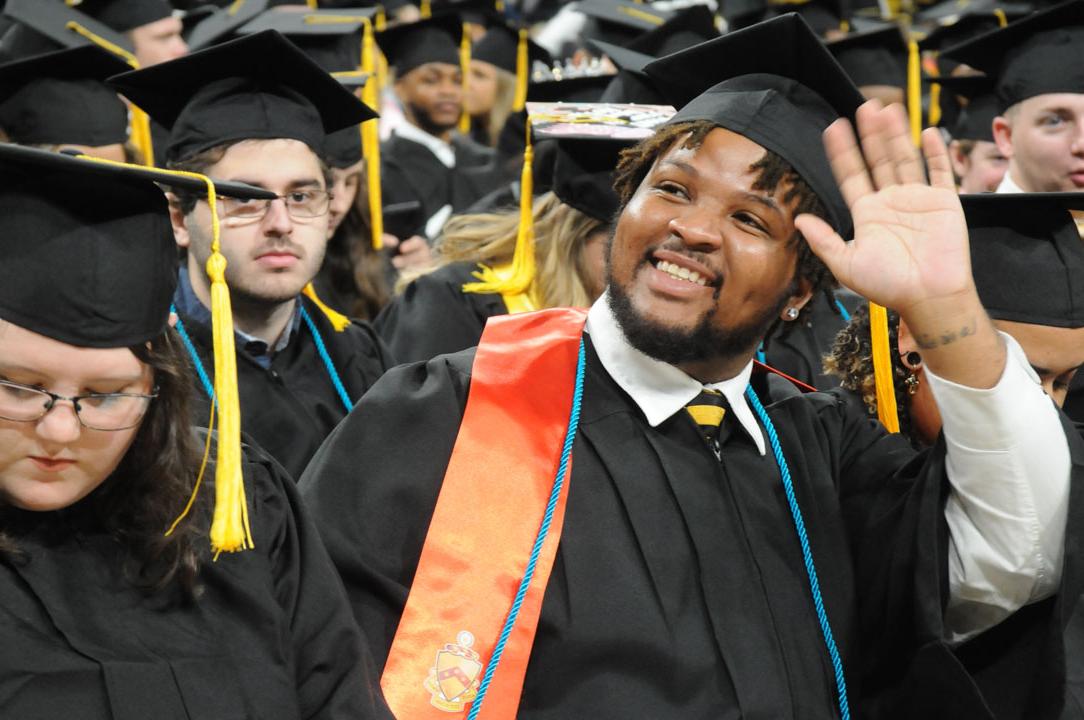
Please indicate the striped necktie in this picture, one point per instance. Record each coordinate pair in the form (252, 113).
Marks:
(708, 410)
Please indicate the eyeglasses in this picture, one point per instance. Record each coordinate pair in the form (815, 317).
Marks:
(302, 205)
(96, 411)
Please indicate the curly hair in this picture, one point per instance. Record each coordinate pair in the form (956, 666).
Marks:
(152, 484)
(851, 360)
(771, 171)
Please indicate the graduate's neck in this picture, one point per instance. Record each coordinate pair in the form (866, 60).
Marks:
(715, 369)
(420, 119)
(258, 318)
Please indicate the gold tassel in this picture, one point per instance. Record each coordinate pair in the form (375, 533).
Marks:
(312, 4)
(338, 321)
(370, 138)
(380, 20)
(425, 9)
(464, 71)
(882, 368)
(235, 7)
(522, 72)
(140, 134)
(523, 260)
(1002, 18)
(914, 91)
(498, 5)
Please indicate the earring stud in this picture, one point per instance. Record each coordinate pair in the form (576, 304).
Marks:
(792, 313)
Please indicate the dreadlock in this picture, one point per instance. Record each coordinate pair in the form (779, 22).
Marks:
(771, 171)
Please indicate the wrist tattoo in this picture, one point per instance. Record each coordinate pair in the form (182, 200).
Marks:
(947, 337)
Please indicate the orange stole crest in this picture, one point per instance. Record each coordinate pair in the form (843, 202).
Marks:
(492, 501)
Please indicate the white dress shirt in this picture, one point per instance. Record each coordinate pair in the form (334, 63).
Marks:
(1008, 185)
(1007, 463)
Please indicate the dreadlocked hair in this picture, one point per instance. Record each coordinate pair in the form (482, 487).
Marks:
(851, 360)
(771, 171)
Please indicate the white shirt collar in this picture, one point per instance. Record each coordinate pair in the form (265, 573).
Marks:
(1008, 185)
(658, 388)
(442, 150)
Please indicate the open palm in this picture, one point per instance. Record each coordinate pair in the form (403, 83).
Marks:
(910, 238)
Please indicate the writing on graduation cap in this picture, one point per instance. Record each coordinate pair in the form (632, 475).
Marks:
(596, 120)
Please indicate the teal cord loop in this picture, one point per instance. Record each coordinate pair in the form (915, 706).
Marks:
(543, 531)
(807, 553)
(322, 349)
(208, 386)
(843, 310)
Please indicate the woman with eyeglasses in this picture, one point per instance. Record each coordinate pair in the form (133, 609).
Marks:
(113, 604)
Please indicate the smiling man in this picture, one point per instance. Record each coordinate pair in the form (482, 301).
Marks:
(723, 545)
(257, 110)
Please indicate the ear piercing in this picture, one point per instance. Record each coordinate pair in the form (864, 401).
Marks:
(792, 313)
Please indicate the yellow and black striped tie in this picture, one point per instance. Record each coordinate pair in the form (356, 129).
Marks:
(708, 410)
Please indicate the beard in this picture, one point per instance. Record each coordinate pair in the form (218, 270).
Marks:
(703, 341)
(425, 121)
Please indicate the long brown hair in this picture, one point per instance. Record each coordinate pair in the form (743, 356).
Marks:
(352, 267)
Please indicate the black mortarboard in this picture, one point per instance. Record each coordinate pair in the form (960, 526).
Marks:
(621, 21)
(631, 84)
(959, 21)
(257, 87)
(410, 46)
(821, 15)
(222, 24)
(774, 83)
(875, 57)
(88, 256)
(61, 24)
(689, 26)
(1026, 256)
(584, 88)
(61, 98)
(330, 37)
(1043, 53)
(124, 15)
(342, 148)
(500, 46)
(974, 122)
(583, 175)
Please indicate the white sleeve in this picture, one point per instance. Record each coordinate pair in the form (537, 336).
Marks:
(1008, 466)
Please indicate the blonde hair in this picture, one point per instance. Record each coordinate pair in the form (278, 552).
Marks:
(493, 121)
(561, 231)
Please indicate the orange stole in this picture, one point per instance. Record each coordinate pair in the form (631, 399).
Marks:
(487, 517)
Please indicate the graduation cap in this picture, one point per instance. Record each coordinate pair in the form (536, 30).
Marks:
(689, 26)
(221, 24)
(774, 83)
(589, 138)
(332, 38)
(875, 57)
(124, 15)
(511, 50)
(974, 122)
(342, 148)
(1026, 256)
(257, 87)
(631, 84)
(821, 15)
(622, 21)
(960, 25)
(61, 98)
(1043, 53)
(67, 27)
(436, 40)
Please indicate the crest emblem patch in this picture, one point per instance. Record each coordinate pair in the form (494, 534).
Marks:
(454, 678)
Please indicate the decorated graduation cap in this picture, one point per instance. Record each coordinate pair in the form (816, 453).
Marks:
(1026, 256)
(436, 40)
(511, 50)
(332, 38)
(774, 83)
(257, 87)
(61, 98)
(124, 15)
(622, 21)
(874, 57)
(974, 122)
(223, 23)
(1043, 53)
(687, 27)
(589, 138)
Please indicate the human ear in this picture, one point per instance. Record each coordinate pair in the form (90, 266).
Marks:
(179, 221)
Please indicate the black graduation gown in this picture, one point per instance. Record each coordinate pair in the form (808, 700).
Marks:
(433, 315)
(799, 350)
(270, 637)
(410, 171)
(678, 590)
(289, 408)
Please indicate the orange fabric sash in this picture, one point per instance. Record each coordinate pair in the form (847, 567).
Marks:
(487, 516)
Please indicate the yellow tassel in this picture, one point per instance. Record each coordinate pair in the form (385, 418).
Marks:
(425, 10)
(882, 368)
(338, 321)
(380, 20)
(1002, 18)
(235, 7)
(523, 260)
(230, 529)
(498, 5)
(522, 72)
(914, 91)
(935, 104)
(312, 4)
(370, 138)
(464, 70)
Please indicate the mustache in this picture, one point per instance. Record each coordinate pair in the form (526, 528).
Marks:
(678, 248)
(279, 246)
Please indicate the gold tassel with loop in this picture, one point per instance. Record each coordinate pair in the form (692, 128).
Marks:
(464, 71)
(380, 19)
(522, 72)
(141, 124)
(516, 280)
(338, 321)
(914, 90)
(370, 137)
(230, 528)
(882, 368)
